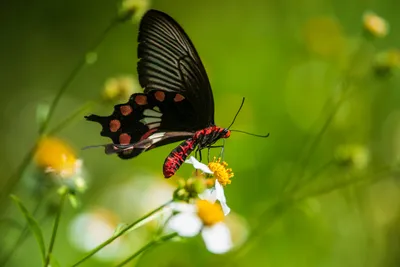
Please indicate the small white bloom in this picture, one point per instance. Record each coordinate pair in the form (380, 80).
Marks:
(212, 194)
(217, 238)
(203, 218)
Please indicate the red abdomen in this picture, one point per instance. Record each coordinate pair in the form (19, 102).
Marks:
(177, 157)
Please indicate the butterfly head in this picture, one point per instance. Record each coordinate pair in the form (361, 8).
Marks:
(226, 133)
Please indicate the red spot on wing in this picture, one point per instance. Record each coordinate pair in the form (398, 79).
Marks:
(147, 134)
(179, 98)
(115, 125)
(141, 100)
(159, 95)
(124, 139)
(125, 110)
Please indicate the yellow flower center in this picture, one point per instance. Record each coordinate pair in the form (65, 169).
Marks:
(209, 213)
(54, 155)
(221, 172)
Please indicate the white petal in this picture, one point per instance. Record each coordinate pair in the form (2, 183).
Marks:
(198, 165)
(217, 238)
(209, 195)
(220, 195)
(185, 224)
(183, 207)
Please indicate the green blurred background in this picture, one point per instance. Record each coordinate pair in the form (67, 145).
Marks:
(291, 60)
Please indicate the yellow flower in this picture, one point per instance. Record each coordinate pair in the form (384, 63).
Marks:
(375, 25)
(221, 172)
(209, 213)
(119, 89)
(55, 156)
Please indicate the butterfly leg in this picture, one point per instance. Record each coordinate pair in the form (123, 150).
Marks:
(209, 148)
(198, 153)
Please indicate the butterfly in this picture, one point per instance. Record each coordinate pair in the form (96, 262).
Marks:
(177, 103)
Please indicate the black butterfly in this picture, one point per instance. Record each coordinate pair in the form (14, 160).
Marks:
(177, 103)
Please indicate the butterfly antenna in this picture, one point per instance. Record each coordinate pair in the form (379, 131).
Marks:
(237, 113)
(256, 135)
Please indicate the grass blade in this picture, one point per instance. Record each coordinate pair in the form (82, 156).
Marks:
(33, 225)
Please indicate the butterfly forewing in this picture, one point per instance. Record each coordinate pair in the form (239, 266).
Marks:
(168, 61)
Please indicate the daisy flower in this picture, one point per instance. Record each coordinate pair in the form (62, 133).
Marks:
(221, 176)
(205, 218)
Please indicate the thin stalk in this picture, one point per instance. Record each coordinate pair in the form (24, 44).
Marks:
(55, 228)
(78, 113)
(350, 182)
(12, 181)
(111, 239)
(22, 236)
(75, 72)
(277, 210)
(147, 246)
(348, 80)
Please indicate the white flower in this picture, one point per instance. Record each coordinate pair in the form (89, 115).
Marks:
(214, 193)
(198, 165)
(203, 217)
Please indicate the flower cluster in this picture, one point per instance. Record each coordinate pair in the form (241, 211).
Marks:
(200, 205)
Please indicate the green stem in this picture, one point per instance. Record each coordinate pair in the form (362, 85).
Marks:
(75, 72)
(55, 228)
(146, 247)
(14, 178)
(129, 227)
(278, 209)
(22, 235)
(348, 79)
(346, 183)
(78, 113)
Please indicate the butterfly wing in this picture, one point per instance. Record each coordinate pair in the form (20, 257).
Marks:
(169, 62)
(177, 99)
(146, 121)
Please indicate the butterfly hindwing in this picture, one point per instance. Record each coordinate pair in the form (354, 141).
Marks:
(146, 117)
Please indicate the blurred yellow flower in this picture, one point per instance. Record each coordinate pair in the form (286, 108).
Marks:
(209, 213)
(221, 172)
(119, 89)
(56, 156)
(135, 8)
(375, 25)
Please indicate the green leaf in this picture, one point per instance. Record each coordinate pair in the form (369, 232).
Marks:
(33, 225)
(42, 111)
